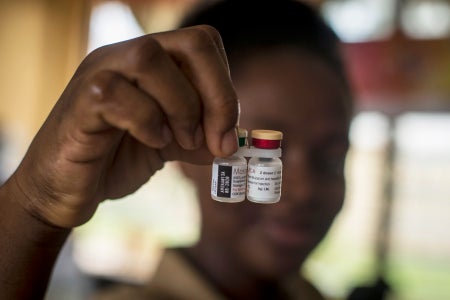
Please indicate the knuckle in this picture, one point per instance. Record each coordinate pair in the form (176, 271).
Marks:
(99, 52)
(199, 38)
(94, 59)
(102, 86)
(144, 51)
(212, 31)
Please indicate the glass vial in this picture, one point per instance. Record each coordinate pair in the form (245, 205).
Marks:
(229, 174)
(265, 167)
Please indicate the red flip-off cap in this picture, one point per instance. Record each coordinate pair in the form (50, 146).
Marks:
(266, 139)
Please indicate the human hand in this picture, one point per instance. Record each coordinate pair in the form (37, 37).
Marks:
(129, 107)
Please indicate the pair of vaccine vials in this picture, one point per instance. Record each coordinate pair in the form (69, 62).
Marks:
(258, 179)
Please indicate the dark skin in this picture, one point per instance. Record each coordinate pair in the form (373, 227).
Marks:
(134, 105)
(129, 108)
(246, 248)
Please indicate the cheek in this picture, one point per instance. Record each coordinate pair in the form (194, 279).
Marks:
(232, 227)
(337, 192)
(333, 195)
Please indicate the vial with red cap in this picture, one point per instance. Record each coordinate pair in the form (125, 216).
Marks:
(265, 167)
(229, 174)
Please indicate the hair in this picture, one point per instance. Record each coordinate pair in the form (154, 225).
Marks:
(246, 25)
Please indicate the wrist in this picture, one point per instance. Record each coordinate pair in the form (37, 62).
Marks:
(28, 248)
(23, 215)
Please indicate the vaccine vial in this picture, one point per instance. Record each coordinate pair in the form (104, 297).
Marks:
(229, 175)
(265, 167)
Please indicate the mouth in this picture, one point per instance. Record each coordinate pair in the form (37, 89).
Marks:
(289, 234)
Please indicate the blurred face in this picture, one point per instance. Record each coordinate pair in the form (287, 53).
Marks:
(299, 95)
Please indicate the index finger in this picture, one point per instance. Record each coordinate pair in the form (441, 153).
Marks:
(201, 55)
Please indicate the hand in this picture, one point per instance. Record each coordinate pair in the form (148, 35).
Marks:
(130, 107)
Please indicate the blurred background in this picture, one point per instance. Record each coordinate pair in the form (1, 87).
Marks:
(396, 217)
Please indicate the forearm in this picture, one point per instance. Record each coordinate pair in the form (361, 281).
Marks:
(28, 249)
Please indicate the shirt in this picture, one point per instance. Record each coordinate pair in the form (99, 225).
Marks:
(177, 279)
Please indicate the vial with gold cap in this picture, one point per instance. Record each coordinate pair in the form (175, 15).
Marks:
(229, 174)
(265, 167)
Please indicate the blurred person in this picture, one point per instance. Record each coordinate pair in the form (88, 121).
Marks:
(134, 105)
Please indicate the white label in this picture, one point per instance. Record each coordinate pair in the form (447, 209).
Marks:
(228, 181)
(264, 182)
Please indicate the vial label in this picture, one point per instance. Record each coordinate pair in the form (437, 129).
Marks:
(228, 181)
(264, 183)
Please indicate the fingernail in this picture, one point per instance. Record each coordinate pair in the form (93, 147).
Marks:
(229, 142)
(166, 134)
(239, 112)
